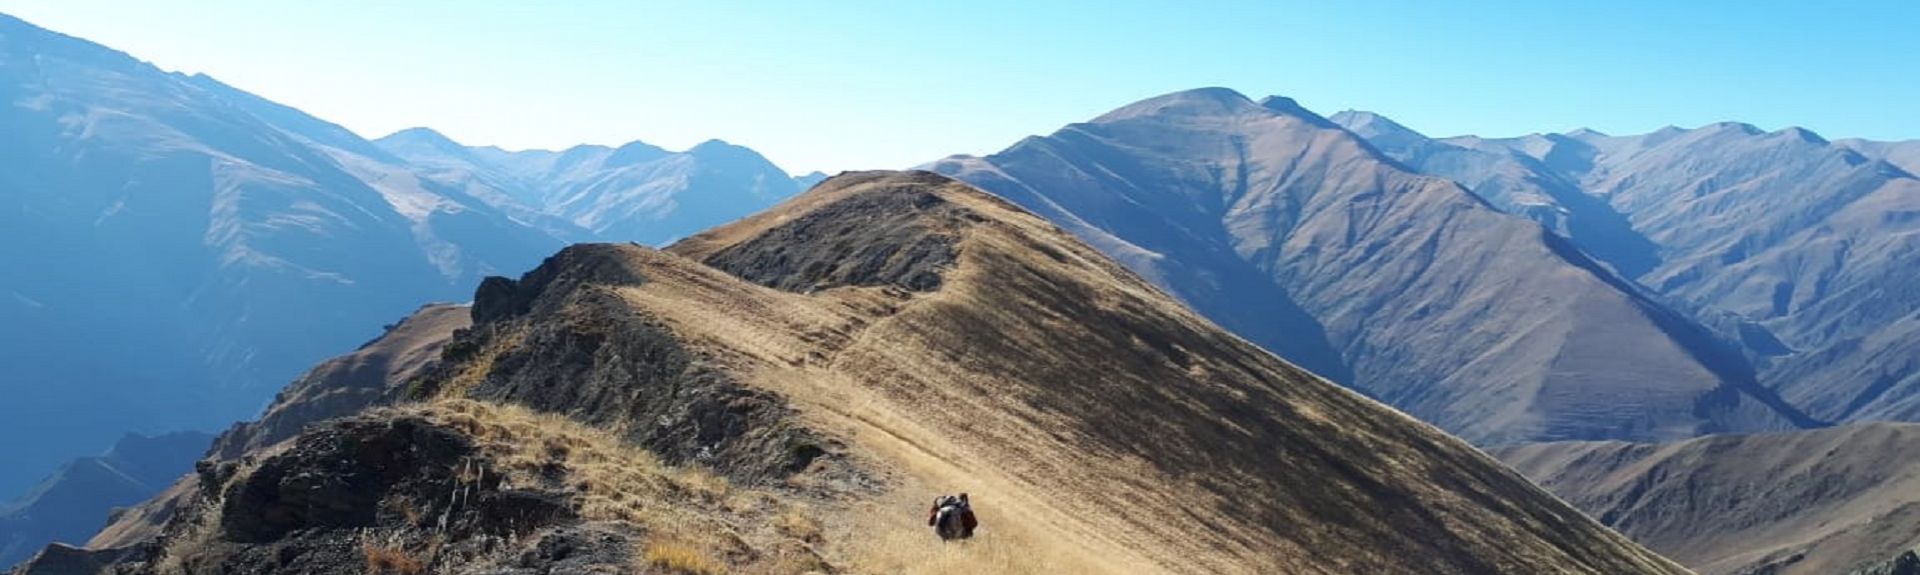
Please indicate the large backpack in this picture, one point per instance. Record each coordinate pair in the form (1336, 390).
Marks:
(952, 518)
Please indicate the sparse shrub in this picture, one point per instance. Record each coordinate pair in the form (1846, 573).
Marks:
(795, 523)
(677, 557)
(384, 559)
(703, 482)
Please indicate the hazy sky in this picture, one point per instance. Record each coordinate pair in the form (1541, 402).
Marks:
(834, 85)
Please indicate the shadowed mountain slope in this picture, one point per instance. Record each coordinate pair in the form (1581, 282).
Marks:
(837, 359)
(1807, 246)
(73, 503)
(1300, 236)
(1807, 502)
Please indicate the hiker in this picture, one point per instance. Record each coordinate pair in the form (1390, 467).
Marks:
(952, 517)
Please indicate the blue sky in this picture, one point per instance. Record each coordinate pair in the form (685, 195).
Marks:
(833, 85)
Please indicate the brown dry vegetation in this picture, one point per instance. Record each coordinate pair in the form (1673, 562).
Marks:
(388, 559)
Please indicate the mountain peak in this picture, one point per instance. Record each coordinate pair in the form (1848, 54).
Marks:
(420, 135)
(1285, 105)
(1733, 127)
(1372, 125)
(634, 152)
(1802, 134)
(1213, 93)
(1198, 101)
(718, 148)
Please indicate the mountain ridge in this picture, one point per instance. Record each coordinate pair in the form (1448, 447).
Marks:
(844, 369)
(1311, 218)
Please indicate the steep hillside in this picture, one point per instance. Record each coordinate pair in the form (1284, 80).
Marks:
(1813, 502)
(72, 504)
(349, 383)
(637, 192)
(784, 394)
(1811, 245)
(1296, 234)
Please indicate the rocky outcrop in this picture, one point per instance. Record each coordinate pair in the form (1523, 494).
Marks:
(902, 237)
(1907, 563)
(340, 477)
(561, 339)
(450, 487)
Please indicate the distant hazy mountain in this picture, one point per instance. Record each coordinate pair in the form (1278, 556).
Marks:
(1807, 502)
(177, 248)
(73, 503)
(637, 192)
(1805, 250)
(1905, 154)
(808, 181)
(1517, 184)
(1296, 234)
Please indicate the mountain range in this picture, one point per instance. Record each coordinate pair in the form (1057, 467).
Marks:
(636, 192)
(1692, 335)
(778, 394)
(1302, 237)
(215, 243)
(1794, 248)
(1788, 246)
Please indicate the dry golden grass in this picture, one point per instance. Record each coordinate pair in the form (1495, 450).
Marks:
(894, 538)
(677, 557)
(799, 523)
